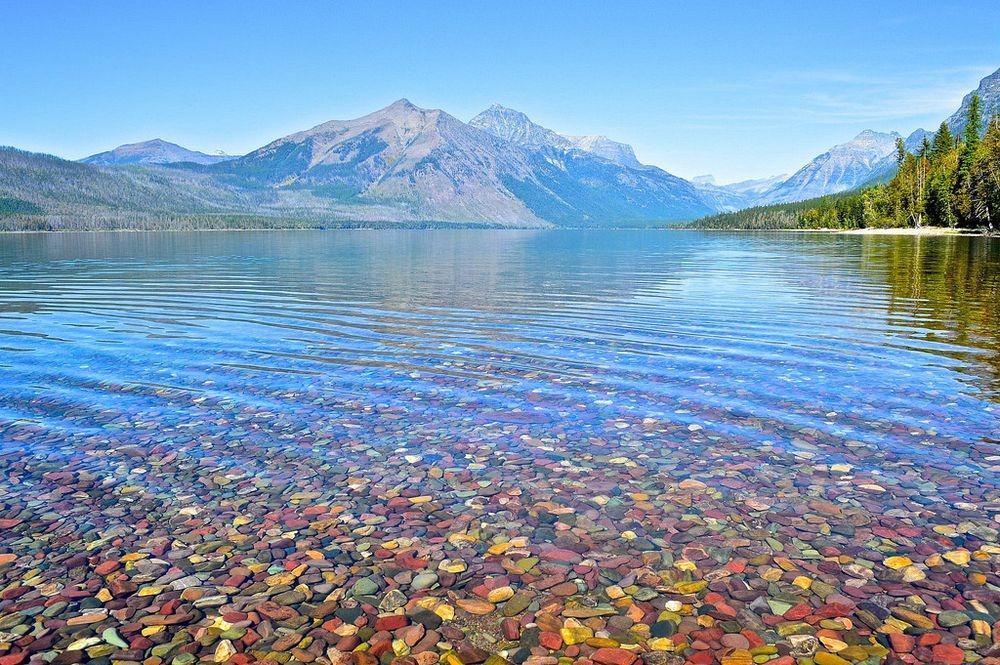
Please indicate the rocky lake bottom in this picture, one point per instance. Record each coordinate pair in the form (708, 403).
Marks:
(499, 447)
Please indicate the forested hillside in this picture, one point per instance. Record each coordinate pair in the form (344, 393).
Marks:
(949, 181)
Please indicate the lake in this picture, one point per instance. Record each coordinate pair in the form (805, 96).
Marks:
(613, 429)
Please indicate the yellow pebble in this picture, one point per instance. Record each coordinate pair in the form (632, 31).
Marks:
(661, 644)
(445, 611)
(832, 644)
(958, 557)
(576, 634)
(499, 548)
(897, 562)
(690, 587)
(452, 566)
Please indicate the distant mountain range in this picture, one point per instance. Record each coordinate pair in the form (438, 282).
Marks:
(409, 165)
(156, 151)
(842, 167)
(867, 157)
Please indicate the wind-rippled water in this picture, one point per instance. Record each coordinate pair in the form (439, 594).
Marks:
(319, 446)
(890, 342)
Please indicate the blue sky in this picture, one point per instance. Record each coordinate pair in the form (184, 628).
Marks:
(738, 90)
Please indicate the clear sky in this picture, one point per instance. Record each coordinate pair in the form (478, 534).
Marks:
(739, 90)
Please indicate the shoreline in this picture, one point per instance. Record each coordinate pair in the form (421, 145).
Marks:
(924, 231)
(910, 231)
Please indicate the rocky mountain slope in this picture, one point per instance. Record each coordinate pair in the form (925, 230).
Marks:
(516, 127)
(156, 151)
(843, 167)
(989, 99)
(431, 165)
(401, 164)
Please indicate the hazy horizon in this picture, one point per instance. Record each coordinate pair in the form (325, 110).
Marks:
(737, 93)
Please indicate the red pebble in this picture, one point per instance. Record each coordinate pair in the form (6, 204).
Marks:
(800, 611)
(948, 654)
(901, 643)
(564, 556)
(613, 656)
(549, 640)
(106, 567)
(391, 622)
(510, 628)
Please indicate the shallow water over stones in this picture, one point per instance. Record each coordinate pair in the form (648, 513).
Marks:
(522, 446)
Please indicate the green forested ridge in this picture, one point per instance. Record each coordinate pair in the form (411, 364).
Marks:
(951, 181)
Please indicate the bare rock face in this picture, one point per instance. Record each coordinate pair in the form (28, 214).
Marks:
(843, 167)
(501, 167)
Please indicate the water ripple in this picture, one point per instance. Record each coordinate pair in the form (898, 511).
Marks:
(755, 336)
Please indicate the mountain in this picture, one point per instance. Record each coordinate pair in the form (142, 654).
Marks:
(756, 186)
(989, 99)
(423, 162)
(916, 139)
(719, 197)
(156, 151)
(45, 184)
(500, 168)
(843, 167)
(737, 195)
(602, 146)
(515, 127)
(399, 165)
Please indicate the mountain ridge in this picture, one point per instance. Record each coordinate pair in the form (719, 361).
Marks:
(506, 169)
(154, 151)
(410, 165)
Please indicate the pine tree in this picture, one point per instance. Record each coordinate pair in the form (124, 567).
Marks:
(900, 151)
(925, 148)
(943, 141)
(974, 120)
(939, 207)
(964, 196)
(987, 175)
